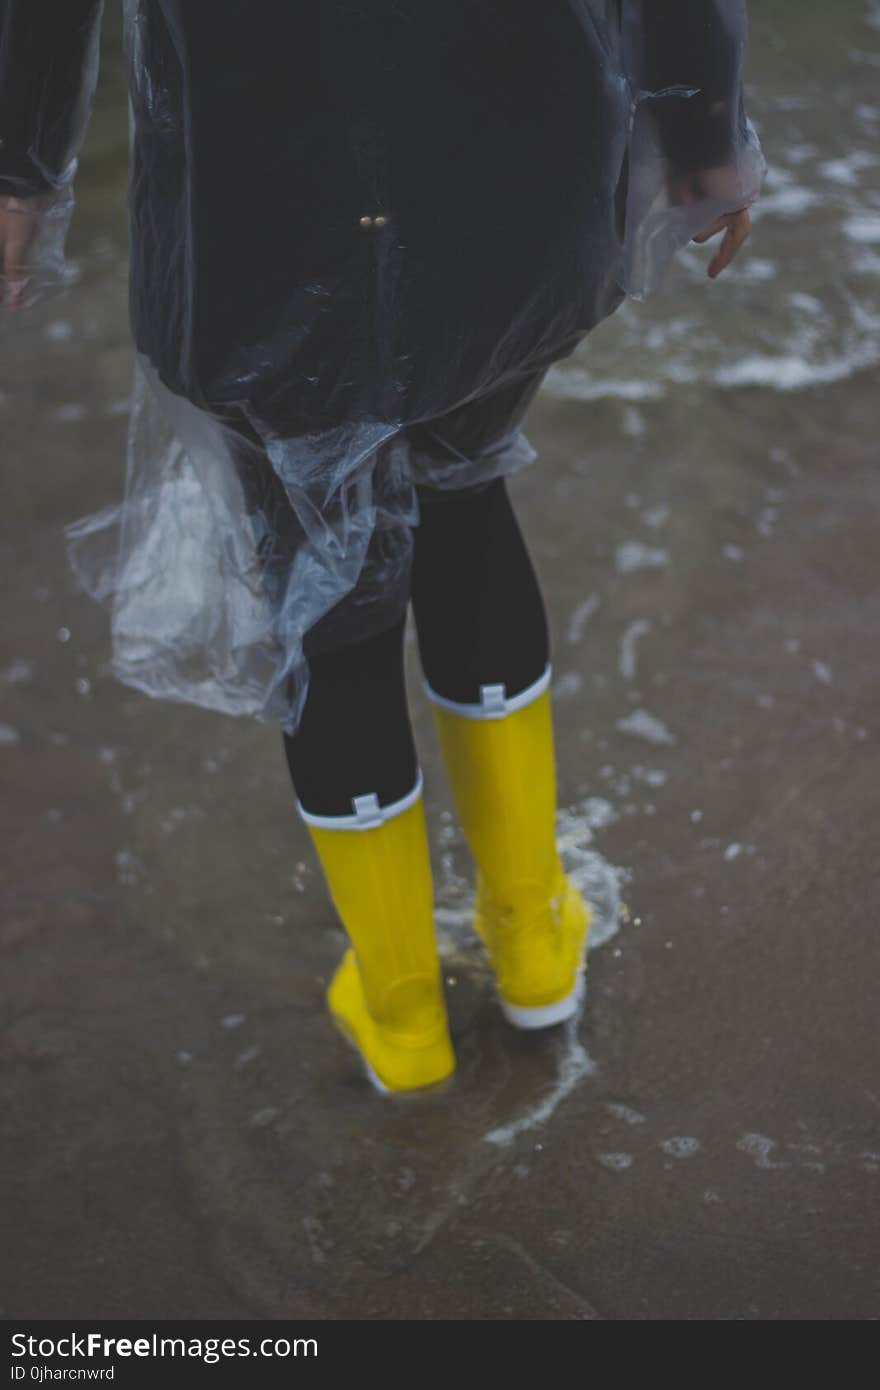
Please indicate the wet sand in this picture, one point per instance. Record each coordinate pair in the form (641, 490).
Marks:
(184, 1134)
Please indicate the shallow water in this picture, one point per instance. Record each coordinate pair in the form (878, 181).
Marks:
(186, 1135)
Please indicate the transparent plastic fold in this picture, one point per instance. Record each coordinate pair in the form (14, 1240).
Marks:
(349, 220)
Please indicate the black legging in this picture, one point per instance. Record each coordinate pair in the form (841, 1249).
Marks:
(480, 620)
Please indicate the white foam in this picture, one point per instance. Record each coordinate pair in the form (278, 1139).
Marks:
(635, 555)
(18, 671)
(645, 725)
(786, 202)
(129, 869)
(628, 641)
(656, 517)
(456, 919)
(567, 685)
(576, 384)
(860, 55)
(633, 423)
(625, 1113)
(653, 776)
(792, 373)
(574, 1063)
(865, 227)
(800, 153)
(681, 1146)
(759, 1147)
(846, 171)
(868, 263)
(617, 1162)
(580, 617)
(758, 268)
(808, 302)
(597, 813)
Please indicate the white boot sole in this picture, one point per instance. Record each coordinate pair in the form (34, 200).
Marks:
(545, 1015)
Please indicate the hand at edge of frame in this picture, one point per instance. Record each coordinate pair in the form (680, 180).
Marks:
(18, 223)
(716, 185)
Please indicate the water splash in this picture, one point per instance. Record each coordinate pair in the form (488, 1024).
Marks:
(574, 1064)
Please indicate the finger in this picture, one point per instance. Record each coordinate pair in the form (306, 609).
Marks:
(723, 255)
(711, 231)
(736, 234)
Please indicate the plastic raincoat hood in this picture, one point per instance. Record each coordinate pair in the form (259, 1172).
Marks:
(347, 217)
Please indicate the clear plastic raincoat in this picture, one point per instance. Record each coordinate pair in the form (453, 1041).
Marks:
(348, 217)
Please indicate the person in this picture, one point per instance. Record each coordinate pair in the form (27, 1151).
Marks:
(360, 235)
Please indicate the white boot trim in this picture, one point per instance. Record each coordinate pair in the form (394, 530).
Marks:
(367, 812)
(494, 701)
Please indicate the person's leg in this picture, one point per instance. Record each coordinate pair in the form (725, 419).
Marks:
(479, 611)
(483, 643)
(354, 737)
(355, 771)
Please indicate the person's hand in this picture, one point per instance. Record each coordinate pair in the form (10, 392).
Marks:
(736, 227)
(18, 223)
(717, 185)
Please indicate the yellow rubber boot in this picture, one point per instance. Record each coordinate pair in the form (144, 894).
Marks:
(386, 995)
(499, 758)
